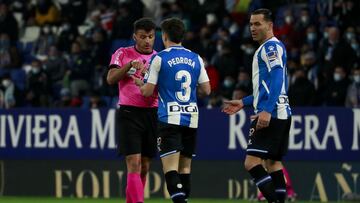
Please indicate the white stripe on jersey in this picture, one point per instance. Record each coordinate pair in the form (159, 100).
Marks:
(154, 70)
(265, 86)
(203, 77)
(194, 119)
(256, 75)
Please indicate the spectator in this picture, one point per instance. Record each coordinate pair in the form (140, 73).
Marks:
(10, 96)
(8, 23)
(67, 35)
(46, 39)
(353, 93)
(9, 57)
(213, 75)
(335, 52)
(335, 94)
(46, 13)
(123, 25)
(224, 60)
(79, 71)
(37, 93)
(244, 82)
(239, 92)
(55, 67)
(302, 91)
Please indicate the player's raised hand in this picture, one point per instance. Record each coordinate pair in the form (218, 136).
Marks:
(232, 106)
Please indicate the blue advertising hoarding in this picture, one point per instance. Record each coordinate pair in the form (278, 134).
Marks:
(330, 134)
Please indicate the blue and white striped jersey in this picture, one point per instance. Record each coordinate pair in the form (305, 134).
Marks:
(177, 71)
(269, 77)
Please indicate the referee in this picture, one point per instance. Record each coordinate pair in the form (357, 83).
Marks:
(269, 132)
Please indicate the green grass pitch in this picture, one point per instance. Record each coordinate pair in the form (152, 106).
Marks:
(73, 200)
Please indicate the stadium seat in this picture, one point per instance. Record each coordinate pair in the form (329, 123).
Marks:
(18, 76)
(31, 34)
(85, 102)
(82, 29)
(25, 49)
(19, 18)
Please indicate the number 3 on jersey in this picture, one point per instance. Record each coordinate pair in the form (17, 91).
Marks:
(184, 94)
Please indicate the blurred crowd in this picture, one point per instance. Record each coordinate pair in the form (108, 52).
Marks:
(54, 53)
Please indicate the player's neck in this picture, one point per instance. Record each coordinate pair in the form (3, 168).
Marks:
(267, 38)
(173, 44)
(142, 52)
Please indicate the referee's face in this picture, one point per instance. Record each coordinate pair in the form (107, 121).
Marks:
(144, 40)
(259, 27)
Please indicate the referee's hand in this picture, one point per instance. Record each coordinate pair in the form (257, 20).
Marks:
(263, 119)
(232, 106)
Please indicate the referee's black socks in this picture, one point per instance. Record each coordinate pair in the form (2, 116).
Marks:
(175, 187)
(264, 182)
(280, 185)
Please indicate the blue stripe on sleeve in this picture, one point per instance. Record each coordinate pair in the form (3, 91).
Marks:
(248, 100)
(276, 75)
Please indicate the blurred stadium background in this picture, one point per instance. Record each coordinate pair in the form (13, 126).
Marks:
(57, 130)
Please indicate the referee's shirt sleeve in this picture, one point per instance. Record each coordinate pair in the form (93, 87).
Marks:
(203, 77)
(117, 59)
(155, 67)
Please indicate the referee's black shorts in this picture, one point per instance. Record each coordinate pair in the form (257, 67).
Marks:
(271, 142)
(136, 130)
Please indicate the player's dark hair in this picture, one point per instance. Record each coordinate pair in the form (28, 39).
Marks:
(174, 28)
(265, 12)
(146, 24)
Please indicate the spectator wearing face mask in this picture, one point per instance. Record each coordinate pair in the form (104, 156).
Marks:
(225, 60)
(335, 92)
(311, 37)
(228, 87)
(10, 96)
(46, 39)
(335, 52)
(353, 93)
(37, 93)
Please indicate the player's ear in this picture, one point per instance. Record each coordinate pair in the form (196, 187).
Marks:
(134, 37)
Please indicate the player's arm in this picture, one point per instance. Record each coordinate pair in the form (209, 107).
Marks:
(233, 106)
(276, 75)
(150, 82)
(273, 59)
(204, 88)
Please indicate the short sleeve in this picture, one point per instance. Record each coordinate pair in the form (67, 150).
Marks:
(203, 77)
(117, 58)
(155, 66)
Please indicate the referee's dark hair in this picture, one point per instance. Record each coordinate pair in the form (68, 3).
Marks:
(146, 24)
(174, 28)
(265, 12)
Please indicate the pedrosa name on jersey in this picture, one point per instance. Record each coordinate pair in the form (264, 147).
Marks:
(175, 108)
(181, 60)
